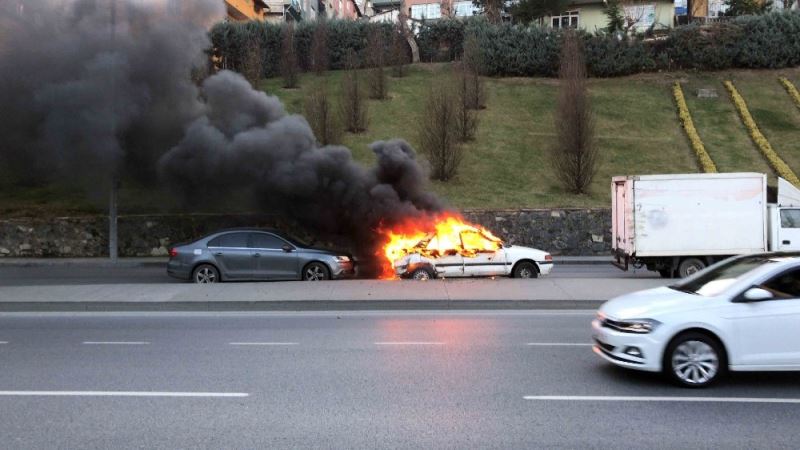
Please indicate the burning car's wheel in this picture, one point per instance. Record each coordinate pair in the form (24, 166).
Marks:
(205, 273)
(316, 272)
(422, 273)
(525, 269)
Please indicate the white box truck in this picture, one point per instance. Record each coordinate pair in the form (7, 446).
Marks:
(679, 224)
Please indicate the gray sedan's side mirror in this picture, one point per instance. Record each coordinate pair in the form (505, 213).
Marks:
(287, 248)
(757, 294)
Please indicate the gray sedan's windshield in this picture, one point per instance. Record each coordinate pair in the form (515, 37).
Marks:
(720, 277)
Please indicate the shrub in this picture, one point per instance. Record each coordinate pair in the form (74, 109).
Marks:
(353, 102)
(322, 116)
(319, 48)
(575, 155)
(466, 116)
(376, 74)
(608, 56)
(703, 158)
(441, 40)
(791, 90)
(400, 52)
(289, 69)
(438, 131)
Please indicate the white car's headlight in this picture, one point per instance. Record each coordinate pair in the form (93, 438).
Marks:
(638, 326)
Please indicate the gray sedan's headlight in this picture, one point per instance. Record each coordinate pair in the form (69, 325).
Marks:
(343, 258)
(638, 326)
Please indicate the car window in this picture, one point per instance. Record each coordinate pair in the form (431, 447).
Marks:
(474, 241)
(716, 279)
(264, 240)
(790, 218)
(785, 285)
(237, 240)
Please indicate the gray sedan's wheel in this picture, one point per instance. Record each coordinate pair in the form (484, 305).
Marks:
(422, 274)
(526, 269)
(205, 273)
(694, 360)
(316, 272)
(690, 266)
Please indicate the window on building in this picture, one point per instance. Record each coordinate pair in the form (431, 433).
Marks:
(567, 20)
(426, 11)
(464, 9)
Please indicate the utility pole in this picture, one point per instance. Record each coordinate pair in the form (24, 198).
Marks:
(112, 205)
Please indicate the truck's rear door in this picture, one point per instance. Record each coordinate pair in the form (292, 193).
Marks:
(622, 215)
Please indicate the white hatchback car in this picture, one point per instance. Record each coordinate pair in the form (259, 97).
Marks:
(741, 314)
(505, 260)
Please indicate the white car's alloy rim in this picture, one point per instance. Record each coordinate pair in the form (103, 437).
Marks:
(206, 275)
(695, 362)
(525, 273)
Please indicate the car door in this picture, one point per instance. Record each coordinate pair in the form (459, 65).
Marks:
(233, 256)
(482, 260)
(789, 231)
(275, 258)
(767, 332)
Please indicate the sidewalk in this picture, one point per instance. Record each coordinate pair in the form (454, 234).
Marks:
(161, 261)
(543, 293)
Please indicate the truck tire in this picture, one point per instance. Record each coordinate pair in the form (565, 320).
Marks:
(690, 266)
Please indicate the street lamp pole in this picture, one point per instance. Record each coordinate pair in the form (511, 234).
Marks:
(112, 205)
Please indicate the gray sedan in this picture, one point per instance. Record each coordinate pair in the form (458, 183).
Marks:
(255, 254)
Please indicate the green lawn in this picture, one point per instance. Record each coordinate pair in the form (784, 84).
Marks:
(637, 131)
(775, 113)
(506, 166)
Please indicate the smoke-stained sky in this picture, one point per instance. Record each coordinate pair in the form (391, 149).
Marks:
(85, 92)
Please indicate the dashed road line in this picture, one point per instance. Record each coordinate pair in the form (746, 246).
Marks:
(559, 344)
(115, 343)
(119, 394)
(596, 398)
(409, 343)
(263, 343)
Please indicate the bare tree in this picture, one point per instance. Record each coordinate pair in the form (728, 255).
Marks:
(376, 60)
(399, 55)
(319, 47)
(575, 155)
(438, 131)
(322, 115)
(252, 63)
(466, 116)
(353, 101)
(289, 68)
(472, 65)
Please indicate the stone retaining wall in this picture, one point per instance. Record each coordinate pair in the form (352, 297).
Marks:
(561, 231)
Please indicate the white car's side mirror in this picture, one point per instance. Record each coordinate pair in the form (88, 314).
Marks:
(755, 294)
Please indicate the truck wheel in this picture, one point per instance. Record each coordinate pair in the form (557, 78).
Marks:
(690, 266)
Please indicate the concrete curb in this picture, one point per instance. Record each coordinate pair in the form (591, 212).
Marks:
(127, 263)
(299, 305)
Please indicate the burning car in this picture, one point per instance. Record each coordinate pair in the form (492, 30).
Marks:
(458, 249)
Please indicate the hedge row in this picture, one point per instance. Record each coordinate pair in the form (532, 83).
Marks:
(766, 41)
(232, 42)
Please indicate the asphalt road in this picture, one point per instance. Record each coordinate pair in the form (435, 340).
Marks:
(79, 274)
(357, 380)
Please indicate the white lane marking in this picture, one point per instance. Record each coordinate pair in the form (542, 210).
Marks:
(409, 343)
(115, 343)
(263, 343)
(559, 344)
(353, 313)
(594, 398)
(3, 342)
(120, 394)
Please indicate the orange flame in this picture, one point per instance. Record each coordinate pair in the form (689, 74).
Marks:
(434, 236)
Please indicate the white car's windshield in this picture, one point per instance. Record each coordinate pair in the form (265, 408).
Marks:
(719, 278)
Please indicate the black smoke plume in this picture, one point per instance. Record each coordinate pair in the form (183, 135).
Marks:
(94, 87)
(91, 88)
(245, 139)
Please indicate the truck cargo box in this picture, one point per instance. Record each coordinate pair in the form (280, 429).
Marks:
(694, 214)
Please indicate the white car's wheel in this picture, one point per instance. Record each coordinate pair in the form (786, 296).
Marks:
(694, 360)
(525, 269)
(422, 274)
